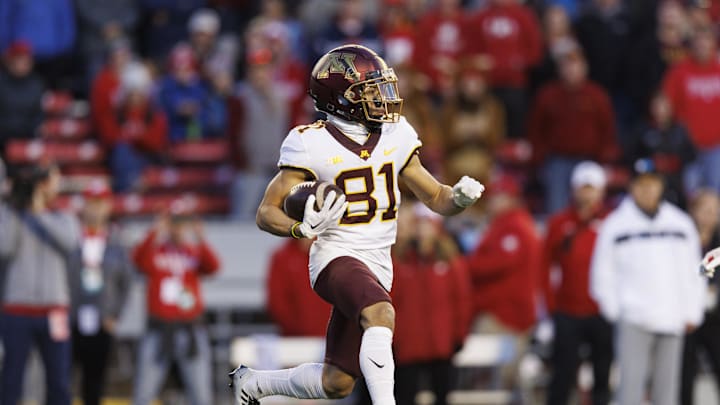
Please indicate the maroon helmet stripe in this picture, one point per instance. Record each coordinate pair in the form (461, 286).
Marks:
(352, 146)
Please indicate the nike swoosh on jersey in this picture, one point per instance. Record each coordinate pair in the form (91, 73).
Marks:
(389, 151)
(375, 363)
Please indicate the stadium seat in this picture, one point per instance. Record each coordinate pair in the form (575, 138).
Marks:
(77, 183)
(185, 178)
(24, 152)
(138, 205)
(65, 129)
(61, 103)
(210, 151)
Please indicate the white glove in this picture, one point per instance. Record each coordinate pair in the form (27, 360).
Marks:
(316, 222)
(467, 191)
(710, 262)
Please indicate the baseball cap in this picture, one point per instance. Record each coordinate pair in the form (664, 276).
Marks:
(97, 189)
(504, 183)
(18, 48)
(588, 173)
(644, 166)
(204, 20)
(136, 77)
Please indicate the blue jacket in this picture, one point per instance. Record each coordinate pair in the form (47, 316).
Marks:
(172, 96)
(48, 25)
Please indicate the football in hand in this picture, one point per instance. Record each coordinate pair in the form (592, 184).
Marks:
(294, 205)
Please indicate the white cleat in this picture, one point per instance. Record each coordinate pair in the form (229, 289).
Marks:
(238, 380)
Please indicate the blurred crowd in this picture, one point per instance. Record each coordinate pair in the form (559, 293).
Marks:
(577, 90)
(66, 281)
(544, 84)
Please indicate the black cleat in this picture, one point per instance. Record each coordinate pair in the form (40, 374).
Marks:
(237, 384)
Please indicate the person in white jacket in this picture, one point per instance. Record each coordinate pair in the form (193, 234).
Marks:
(645, 279)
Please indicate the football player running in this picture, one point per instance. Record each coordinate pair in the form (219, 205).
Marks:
(364, 147)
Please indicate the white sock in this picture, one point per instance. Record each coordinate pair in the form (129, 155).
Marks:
(377, 365)
(303, 381)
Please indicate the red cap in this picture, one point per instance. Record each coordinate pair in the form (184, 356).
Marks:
(260, 56)
(97, 189)
(18, 48)
(503, 183)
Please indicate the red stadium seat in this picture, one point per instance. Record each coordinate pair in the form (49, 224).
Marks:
(129, 205)
(23, 152)
(57, 102)
(172, 177)
(214, 151)
(65, 128)
(77, 183)
(135, 204)
(60, 103)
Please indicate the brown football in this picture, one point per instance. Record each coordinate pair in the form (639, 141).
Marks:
(294, 204)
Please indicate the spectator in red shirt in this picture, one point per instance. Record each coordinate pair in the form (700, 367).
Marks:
(397, 30)
(288, 72)
(439, 41)
(104, 91)
(174, 256)
(693, 87)
(431, 295)
(291, 301)
(505, 38)
(504, 269)
(571, 120)
(568, 250)
(135, 131)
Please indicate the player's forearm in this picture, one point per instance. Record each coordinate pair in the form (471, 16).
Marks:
(273, 220)
(442, 202)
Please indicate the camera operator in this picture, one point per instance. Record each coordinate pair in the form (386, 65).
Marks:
(34, 246)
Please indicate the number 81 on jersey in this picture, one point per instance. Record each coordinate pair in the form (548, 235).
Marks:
(359, 188)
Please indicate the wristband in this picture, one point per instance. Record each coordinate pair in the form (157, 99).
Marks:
(292, 230)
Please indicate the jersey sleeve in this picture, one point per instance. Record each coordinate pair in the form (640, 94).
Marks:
(410, 140)
(294, 155)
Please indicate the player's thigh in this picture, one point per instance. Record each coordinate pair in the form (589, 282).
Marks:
(349, 285)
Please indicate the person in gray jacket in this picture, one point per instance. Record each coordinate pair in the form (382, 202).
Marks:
(35, 243)
(100, 272)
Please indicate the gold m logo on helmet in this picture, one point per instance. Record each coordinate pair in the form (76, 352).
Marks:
(342, 63)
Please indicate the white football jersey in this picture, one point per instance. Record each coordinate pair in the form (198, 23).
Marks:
(368, 174)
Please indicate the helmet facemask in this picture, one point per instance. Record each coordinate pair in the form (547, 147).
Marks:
(378, 95)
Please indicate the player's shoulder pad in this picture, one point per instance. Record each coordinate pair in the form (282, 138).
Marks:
(308, 129)
(401, 128)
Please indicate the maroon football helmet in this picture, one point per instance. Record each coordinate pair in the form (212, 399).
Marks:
(354, 83)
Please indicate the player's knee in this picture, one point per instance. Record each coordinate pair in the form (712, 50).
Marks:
(336, 383)
(379, 314)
